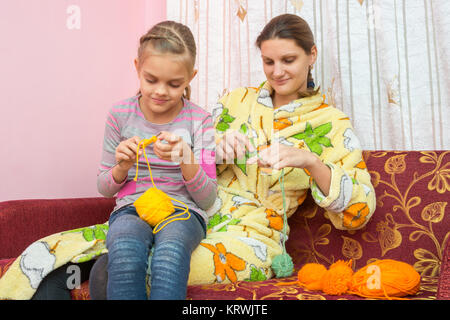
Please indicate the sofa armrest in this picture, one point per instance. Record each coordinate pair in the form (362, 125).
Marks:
(24, 221)
(443, 292)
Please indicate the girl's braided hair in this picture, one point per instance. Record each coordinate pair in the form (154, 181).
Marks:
(170, 37)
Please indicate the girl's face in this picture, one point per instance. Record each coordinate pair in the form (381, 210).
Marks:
(163, 79)
(286, 66)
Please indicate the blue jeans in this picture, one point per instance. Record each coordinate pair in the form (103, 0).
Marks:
(129, 241)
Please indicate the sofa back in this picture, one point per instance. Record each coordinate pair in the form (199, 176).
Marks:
(24, 221)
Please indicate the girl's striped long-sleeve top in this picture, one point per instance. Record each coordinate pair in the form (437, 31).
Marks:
(193, 124)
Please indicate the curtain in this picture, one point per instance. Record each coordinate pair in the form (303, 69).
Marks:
(382, 62)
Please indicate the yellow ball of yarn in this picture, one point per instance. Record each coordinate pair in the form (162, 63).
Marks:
(153, 206)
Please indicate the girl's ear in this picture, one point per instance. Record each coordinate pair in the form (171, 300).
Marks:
(136, 65)
(194, 73)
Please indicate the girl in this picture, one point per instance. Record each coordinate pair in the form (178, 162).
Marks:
(182, 163)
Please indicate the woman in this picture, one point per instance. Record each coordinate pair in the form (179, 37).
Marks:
(284, 124)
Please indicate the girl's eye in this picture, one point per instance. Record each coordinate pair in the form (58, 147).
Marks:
(289, 60)
(173, 85)
(268, 62)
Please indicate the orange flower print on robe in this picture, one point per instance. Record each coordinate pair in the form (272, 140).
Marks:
(355, 215)
(275, 220)
(322, 106)
(280, 124)
(361, 165)
(225, 262)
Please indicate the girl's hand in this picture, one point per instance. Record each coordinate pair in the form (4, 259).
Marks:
(175, 149)
(232, 146)
(279, 156)
(126, 153)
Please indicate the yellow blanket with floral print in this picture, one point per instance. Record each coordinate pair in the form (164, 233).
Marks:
(23, 277)
(246, 222)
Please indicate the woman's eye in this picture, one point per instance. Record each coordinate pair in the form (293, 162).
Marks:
(150, 81)
(289, 60)
(174, 85)
(268, 62)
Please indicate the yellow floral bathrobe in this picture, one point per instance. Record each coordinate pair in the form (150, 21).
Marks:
(246, 222)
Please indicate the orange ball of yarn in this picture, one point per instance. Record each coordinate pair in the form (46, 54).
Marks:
(338, 278)
(153, 206)
(310, 276)
(386, 278)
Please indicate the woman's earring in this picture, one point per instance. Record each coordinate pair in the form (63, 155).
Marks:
(310, 84)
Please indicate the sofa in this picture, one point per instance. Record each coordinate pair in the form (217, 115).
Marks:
(411, 224)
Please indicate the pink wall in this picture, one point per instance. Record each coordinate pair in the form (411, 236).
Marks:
(61, 68)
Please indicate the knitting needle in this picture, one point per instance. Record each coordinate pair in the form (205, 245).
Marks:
(120, 161)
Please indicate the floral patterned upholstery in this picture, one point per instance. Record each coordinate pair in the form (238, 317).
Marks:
(411, 224)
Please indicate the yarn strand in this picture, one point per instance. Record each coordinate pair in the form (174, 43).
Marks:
(143, 144)
(282, 264)
(283, 194)
(155, 206)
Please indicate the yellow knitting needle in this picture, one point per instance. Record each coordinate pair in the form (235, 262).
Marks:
(145, 144)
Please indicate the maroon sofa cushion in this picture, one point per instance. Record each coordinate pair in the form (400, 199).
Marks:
(262, 290)
(24, 221)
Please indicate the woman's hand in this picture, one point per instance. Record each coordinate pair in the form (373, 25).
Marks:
(175, 149)
(232, 146)
(279, 156)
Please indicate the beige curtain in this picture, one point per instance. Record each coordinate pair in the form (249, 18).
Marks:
(383, 62)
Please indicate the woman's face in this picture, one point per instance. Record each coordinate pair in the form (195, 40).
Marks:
(286, 66)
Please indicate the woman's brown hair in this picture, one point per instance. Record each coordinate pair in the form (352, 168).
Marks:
(170, 37)
(291, 26)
